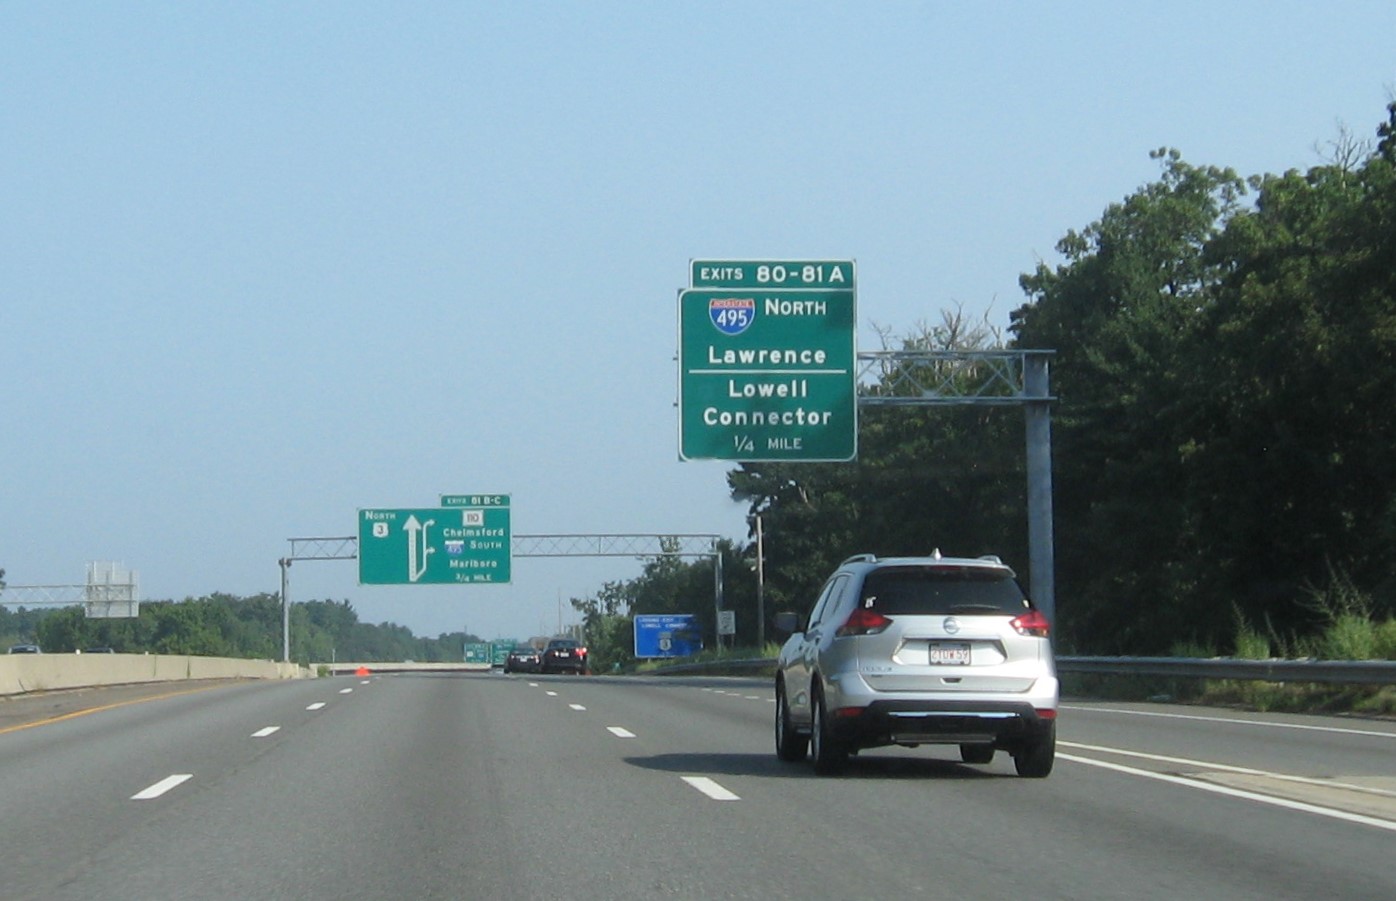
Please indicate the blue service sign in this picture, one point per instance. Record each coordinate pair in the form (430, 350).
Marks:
(667, 635)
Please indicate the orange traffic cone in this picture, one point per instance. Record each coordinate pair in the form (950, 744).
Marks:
(361, 671)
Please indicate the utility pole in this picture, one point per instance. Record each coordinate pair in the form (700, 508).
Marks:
(760, 586)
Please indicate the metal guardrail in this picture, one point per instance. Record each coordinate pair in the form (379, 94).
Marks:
(1343, 672)
(1349, 672)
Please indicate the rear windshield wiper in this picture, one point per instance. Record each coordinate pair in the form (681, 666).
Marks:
(976, 608)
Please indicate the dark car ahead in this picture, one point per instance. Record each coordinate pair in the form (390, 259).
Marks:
(524, 659)
(564, 655)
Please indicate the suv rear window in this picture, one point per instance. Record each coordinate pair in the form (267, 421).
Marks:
(938, 590)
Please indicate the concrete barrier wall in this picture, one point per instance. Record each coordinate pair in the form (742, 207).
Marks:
(21, 673)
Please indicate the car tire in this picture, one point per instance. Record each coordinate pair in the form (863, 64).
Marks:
(977, 753)
(1035, 758)
(830, 754)
(791, 746)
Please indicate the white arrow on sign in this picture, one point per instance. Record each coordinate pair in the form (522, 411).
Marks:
(417, 541)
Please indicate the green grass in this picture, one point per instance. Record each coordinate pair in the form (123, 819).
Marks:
(715, 656)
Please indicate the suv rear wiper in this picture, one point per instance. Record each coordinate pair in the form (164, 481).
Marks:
(979, 608)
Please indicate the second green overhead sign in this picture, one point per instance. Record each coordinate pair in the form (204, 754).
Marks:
(466, 540)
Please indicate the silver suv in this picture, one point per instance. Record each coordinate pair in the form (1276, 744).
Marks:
(918, 650)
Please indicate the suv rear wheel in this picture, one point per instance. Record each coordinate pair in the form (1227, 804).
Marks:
(830, 754)
(791, 746)
(1035, 758)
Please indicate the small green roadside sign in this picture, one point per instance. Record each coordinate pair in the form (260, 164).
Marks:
(447, 545)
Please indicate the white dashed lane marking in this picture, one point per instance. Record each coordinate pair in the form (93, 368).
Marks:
(620, 732)
(710, 788)
(162, 786)
(264, 732)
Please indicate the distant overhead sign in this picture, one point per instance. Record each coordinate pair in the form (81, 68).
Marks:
(447, 545)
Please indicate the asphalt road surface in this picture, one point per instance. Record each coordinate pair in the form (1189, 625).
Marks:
(479, 785)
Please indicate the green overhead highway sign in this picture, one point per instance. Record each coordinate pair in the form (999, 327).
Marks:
(767, 374)
(447, 545)
(499, 650)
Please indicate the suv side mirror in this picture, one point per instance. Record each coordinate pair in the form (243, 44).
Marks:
(788, 622)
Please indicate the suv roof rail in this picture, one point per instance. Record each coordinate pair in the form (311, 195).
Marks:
(992, 558)
(860, 558)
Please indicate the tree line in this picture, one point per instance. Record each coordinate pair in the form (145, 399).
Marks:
(222, 625)
(1223, 428)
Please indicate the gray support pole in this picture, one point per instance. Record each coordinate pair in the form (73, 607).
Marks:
(1038, 412)
(285, 612)
(717, 593)
(760, 585)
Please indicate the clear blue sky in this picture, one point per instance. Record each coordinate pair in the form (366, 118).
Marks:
(262, 265)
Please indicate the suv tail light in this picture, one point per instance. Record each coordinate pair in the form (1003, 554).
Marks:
(863, 622)
(1031, 623)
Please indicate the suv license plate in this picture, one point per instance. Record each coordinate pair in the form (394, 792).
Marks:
(953, 653)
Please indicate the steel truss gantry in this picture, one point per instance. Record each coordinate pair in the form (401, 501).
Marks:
(938, 378)
(558, 545)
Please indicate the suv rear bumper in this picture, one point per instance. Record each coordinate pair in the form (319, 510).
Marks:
(912, 722)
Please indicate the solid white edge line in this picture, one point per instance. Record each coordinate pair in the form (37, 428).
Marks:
(1237, 793)
(620, 732)
(161, 787)
(264, 732)
(1233, 721)
(710, 788)
(1228, 768)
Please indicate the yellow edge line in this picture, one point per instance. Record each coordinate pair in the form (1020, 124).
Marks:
(77, 713)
